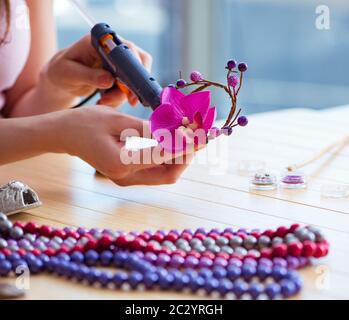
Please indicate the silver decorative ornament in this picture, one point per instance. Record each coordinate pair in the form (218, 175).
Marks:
(16, 196)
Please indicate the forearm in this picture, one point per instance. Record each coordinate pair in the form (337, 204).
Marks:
(23, 138)
(44, 98)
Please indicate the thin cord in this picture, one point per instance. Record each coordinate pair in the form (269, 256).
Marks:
(317, 156)
(87, 99)
(83, 12)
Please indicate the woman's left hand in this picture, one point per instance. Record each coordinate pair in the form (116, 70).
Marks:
(76, 71)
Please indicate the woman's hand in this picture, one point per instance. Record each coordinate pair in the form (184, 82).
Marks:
(97, 135)
(76, 72)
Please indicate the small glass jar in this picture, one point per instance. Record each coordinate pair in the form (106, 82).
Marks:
(263, 181)
(293, 180)
(335, 191)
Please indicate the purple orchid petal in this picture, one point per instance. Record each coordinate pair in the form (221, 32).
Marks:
(168, 127)
(198, 119)
(166, 116)
(210, 119)
(171, 141)
(196, 102)
(171, 96)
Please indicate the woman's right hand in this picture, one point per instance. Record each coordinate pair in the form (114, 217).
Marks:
(97, 136)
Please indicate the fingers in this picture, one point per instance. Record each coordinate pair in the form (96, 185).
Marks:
(113, 98)
(160, 175)
(144, 57)
(132, 99)
(137, 161)
(79, 68)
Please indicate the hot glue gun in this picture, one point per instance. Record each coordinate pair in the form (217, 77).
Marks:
(118, 59)
(125, 67)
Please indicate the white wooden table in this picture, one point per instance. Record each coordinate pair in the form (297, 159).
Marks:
(74, 196)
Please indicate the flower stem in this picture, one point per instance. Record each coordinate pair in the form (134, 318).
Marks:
(232, 92)
(235, 118)
(241, 82)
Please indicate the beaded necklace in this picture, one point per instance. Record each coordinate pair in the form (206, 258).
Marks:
(230, 263)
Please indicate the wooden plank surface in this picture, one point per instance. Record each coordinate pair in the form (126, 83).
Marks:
(210, 194)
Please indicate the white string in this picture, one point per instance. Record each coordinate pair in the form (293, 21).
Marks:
(82, 11)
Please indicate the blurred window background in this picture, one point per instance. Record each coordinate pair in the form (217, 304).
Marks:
(291, 62)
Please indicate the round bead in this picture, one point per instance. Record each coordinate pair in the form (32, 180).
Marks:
(282, 231)
(106, 258)
(77, 257)
(255, 290)
(120, 278)
(219, 272)
(137, 244)
(242, 121)
(196, 76)
(224, 286)
(231, 64)
(35, 265)
(292, 263)
(205, 262)
(288, 288)
(46, 231)
(266, 253)
(181, 83)
(191, 262)
(242, 67)
(263, 242)
(135, 279)
(5, 226)
(222, 241)
(91, 257)
(208, 242)
(248, 271)
(240, 250)
(290, 238)
(211, 285)
(220, 262)
(163, 260)
(227, 249)
(272, 290)
(227, 131)
(3, 217)
(3, 244)
(213, 248)
(105, 241)
(250, 242)
(309, 248)
(105, 278)
(321, 250)
(5, 267)
(177, 261)
(295, 249)
(276, 241)
(240, 288)
(280, 262)
(280, 250)
(236, 241)
(150, 280)
(16, 232)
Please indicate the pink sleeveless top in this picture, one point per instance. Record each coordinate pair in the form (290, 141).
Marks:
(15, 51)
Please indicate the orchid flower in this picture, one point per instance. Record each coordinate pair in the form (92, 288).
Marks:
(182, 116)
(186, 120)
